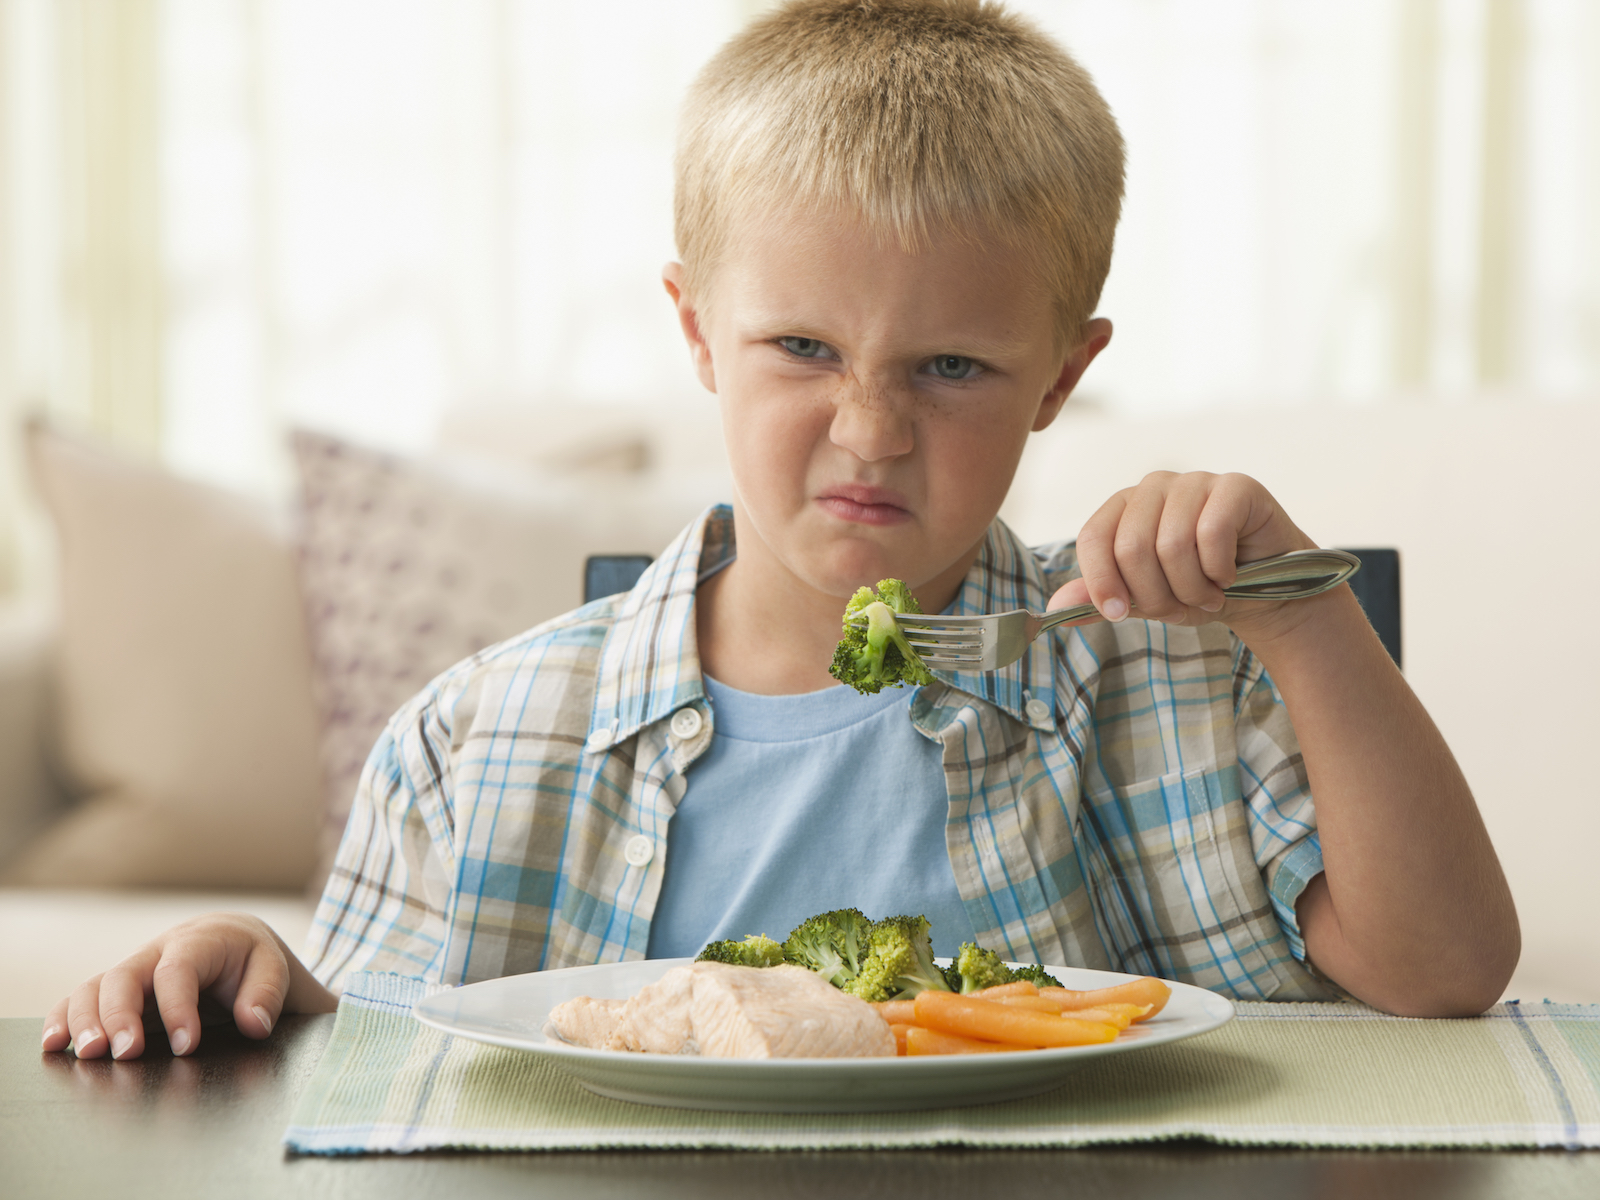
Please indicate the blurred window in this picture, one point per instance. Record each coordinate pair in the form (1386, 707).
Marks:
(369, 210)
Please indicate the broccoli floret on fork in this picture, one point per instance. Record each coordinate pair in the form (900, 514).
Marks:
(874, 653)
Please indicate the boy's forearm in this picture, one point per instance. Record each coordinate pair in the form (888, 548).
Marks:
(1413, 914)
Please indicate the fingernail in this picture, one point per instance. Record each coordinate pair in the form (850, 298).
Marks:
(1114, 609)
(261, 1015)
(84, 1042)
(1214, 606)
(180, 1042)
(49, 1033)
(120, 1043)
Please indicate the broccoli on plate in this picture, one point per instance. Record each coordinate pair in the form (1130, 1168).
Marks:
(899, 962)
(875, 960)
(1036, 975)
(975, 968)
(874, 654)
(833, 944)
(757, 950)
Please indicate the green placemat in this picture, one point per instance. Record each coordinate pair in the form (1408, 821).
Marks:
(1330, 1075)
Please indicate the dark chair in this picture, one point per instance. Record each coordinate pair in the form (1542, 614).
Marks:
(608, 574)
(1376, 585)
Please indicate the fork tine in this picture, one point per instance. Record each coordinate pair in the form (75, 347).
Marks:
(930, 623)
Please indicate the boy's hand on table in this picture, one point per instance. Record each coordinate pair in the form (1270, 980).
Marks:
(237, 960)
(1168, 546)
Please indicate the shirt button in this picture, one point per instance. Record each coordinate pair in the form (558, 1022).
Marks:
(599, 739)
(639, 850)
(1037, 710)
(686, 723)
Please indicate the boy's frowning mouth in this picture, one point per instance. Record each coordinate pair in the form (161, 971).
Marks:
(864, 504)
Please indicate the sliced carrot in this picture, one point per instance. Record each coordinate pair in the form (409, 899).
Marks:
(1031, 1003)
(1148, 990)
(1022, 987)
(899, 1031)
(1120, 1015)
(920, 1041)
(988, 1020)
(896, 1012)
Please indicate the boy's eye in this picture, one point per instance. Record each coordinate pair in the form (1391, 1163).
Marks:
(954, 366)
(803, 347)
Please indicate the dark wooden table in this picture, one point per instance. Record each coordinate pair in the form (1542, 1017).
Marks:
(210, 1126)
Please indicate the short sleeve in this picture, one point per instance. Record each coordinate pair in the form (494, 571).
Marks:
(385, 905)
(1277, 794)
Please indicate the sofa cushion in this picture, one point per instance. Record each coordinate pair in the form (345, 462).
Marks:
(409, 566)
(29, 796)
(183, 689)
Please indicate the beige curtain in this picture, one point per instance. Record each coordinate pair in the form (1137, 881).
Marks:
(111, 263)
(374, 210)
(81, 274)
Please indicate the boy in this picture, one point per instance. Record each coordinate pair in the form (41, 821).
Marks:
(894, 220)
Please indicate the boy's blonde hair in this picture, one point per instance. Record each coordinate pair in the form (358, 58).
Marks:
(918, 115)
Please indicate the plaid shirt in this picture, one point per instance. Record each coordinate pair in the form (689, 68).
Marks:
(1127, 797)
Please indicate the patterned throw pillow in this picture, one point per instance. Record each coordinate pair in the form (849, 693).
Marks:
(407, 567)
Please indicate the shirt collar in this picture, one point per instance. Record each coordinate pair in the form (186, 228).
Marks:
(1006, 576)
(650, 661)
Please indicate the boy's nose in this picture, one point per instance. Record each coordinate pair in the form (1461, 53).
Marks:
(871, 421)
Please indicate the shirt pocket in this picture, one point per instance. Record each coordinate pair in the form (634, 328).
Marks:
(1175, 885)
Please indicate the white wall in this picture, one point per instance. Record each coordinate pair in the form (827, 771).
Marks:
(1495, 508)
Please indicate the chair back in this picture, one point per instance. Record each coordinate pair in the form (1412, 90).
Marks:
(1376, 585)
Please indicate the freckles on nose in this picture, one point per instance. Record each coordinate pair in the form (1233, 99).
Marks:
(869, 420)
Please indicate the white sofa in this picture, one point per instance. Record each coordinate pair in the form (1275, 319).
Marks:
(51, 938)
(1493, 505)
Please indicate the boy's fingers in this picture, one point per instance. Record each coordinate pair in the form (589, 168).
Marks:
(122, 992)
(56, 1034)
(261, 991)
(1137, 559)
(1230, 509)
(1178, 544)
(1070, 595)
(177, 988)
(83, 1020)
(1097, 560)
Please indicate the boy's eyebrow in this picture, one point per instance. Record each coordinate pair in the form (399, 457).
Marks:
(764, 325)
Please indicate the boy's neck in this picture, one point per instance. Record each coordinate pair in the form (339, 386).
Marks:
(764, 641)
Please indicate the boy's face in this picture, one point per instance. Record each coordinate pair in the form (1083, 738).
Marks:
(875, 403)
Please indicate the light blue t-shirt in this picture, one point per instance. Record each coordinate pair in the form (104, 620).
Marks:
(804, 804)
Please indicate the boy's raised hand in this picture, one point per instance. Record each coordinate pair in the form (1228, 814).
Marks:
(1411, 912)
(1168, 546)
(237, 959)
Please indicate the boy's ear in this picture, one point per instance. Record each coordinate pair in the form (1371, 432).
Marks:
(1096, 334)
(689, 320)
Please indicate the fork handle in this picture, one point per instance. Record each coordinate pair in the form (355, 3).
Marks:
(1292, 576)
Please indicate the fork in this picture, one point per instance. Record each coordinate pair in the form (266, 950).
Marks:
(998, 640)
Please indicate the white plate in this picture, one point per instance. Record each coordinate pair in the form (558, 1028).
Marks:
(511, 1012)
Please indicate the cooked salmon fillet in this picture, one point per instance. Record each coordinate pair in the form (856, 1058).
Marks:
(586, 1021)
(730, 1012)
